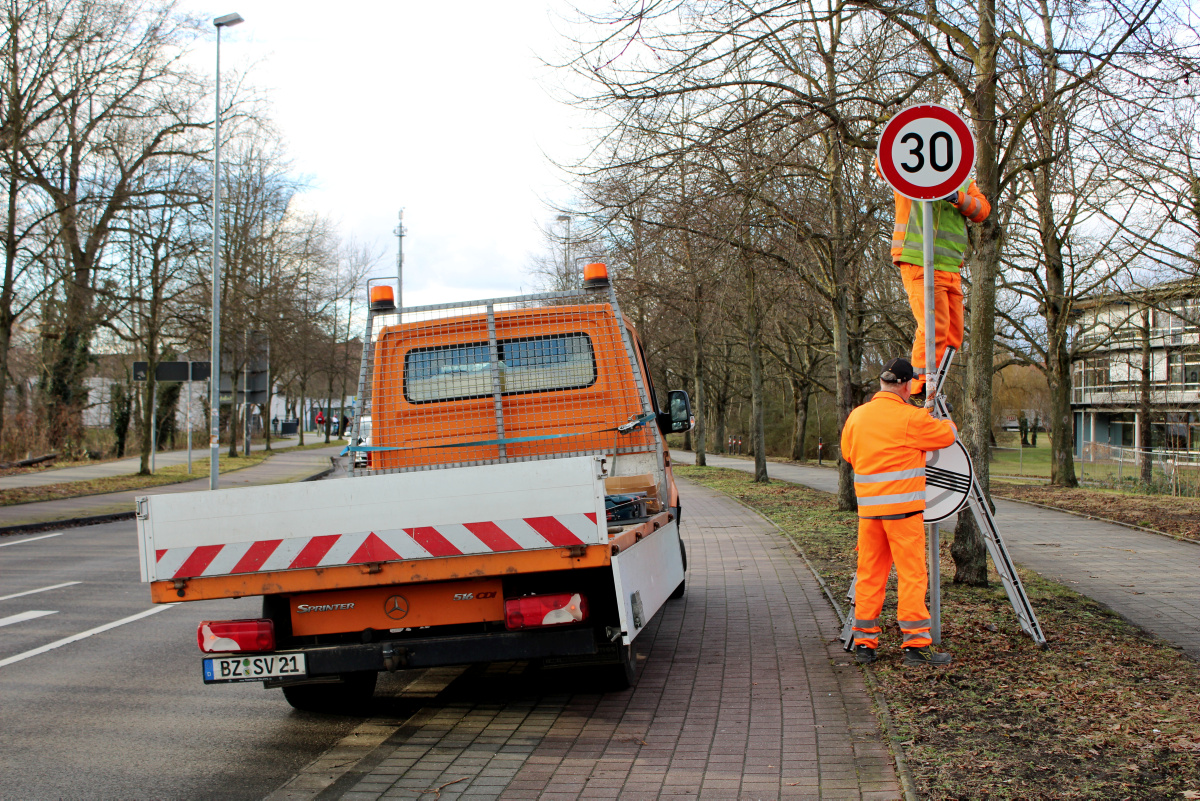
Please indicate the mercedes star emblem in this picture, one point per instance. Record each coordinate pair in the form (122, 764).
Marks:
(396, 607)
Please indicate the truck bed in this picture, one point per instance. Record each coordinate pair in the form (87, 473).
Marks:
(253, 534)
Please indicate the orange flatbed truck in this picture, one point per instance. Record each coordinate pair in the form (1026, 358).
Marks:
(516, 503)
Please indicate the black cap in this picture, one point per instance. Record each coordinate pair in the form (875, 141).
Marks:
(897, 371)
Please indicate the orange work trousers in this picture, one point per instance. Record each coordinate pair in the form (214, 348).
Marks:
(880, 542)
(947, 313)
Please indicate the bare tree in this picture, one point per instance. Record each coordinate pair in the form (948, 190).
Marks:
(124, 102)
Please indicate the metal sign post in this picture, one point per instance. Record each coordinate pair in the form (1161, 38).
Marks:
(933, 538)
(926, 153)
(184, 372)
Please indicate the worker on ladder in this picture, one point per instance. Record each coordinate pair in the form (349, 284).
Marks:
(885, 441)
(950, 217)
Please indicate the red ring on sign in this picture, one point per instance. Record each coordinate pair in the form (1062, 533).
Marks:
(897, 181)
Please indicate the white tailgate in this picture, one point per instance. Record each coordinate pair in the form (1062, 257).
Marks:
(390, 517)
(650, 569)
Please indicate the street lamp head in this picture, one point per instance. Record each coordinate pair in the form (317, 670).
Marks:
(563, 218)
(229, 20)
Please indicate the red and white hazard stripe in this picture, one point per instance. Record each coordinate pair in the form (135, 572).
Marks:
(422, 542)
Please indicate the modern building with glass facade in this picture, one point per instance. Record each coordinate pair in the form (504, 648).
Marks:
(1121, 338)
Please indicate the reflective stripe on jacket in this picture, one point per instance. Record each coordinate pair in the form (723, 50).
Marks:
(950, 228)
(885, 441)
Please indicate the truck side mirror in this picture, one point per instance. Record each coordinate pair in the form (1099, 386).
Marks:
(678, 417)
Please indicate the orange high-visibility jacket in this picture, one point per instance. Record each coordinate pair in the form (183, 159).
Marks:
(885, 441)
(949, 235)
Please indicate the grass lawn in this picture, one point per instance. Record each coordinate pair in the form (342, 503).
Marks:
(1108, 712)
(172, 474)
(1011, 460)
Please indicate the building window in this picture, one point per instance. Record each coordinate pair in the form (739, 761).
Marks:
(1095, 372)
(1183, 369)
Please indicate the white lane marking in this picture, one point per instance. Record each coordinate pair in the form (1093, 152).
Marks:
(43, 589)
(29, 539)
(22, 617)
(83, 635)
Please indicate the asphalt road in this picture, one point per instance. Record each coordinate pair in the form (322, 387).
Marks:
(123, 713)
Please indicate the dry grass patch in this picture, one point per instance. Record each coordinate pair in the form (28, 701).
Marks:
(1108, 712)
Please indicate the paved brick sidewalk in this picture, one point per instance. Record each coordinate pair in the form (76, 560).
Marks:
(743, 693)
(1147, 578)
(281, 468)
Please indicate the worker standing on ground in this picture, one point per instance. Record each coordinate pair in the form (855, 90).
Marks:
(885, 441)
(950, 217)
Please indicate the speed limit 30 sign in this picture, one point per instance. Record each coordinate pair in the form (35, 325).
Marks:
(926, 152)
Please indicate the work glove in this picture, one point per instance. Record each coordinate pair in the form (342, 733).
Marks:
(952, 199)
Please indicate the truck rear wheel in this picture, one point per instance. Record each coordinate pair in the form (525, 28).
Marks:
(622, 674)
(344, 698)
(678, 591)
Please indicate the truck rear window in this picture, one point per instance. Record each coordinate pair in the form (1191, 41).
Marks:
(528, 364)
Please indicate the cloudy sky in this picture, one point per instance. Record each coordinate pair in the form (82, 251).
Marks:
(443, 110)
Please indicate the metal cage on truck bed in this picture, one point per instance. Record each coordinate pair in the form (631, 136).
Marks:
(513, 379)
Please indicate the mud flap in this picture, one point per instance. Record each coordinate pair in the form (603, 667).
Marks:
(644, 576)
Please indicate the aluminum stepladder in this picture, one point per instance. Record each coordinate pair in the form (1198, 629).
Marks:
(978, 503)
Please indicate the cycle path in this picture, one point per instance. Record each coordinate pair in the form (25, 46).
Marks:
(281, 468)
(1147, 578)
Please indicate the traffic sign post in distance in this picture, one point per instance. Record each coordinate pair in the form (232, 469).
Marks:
(926, 153)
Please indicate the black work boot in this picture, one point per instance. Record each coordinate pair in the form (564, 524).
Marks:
(864, 654)
(925, 655)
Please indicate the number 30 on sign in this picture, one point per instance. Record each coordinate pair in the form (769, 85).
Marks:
(926, 152)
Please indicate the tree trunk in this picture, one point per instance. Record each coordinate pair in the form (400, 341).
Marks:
(6, 290)
(754, 345)
(800, 392)
(1145, 434)
(1058, 322)
(843, 397)
(148, 395)
(698, 402)
(968, 551)
(300, 421)
(1062, 444)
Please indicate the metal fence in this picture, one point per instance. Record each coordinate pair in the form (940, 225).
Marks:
(1172, 472)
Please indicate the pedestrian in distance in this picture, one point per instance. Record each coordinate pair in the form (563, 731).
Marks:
(950, 217)
(885, 441)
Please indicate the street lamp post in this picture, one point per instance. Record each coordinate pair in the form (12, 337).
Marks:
(566, 247)
(214, 379)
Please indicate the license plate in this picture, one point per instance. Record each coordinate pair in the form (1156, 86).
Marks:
(253, 668)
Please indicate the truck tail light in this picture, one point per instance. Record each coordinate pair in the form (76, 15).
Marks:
(222, 636)
(545, 610)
